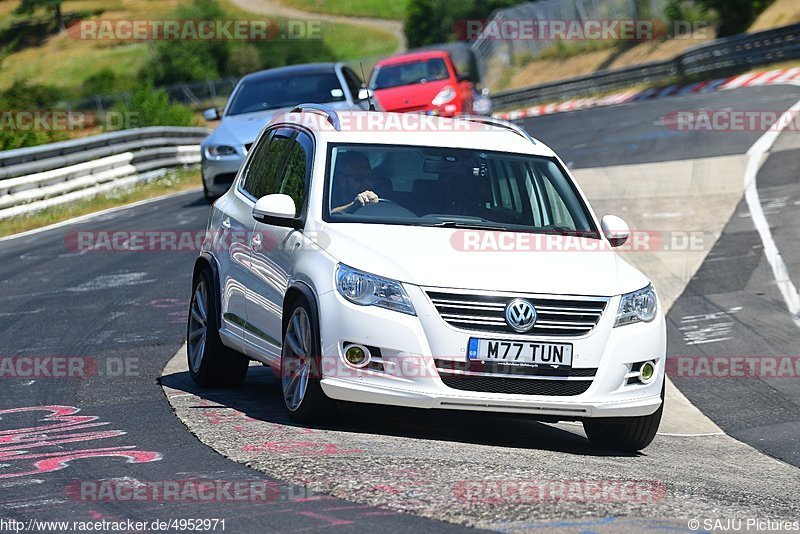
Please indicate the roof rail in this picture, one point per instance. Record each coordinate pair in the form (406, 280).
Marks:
(333, 117)
(500, 123)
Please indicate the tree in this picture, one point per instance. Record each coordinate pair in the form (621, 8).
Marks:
(735, 15)
(430, 22)
(28, 7)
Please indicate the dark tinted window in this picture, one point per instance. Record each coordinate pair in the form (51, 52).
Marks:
(294, 177)
(430, 186)
(262, 175)
(282, 92)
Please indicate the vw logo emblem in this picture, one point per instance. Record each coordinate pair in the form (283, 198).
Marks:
(520, 315)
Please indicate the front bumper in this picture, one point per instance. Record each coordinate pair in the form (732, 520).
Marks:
(406, 373)
(219, 172)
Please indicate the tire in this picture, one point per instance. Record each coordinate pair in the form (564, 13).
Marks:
(211, 363)
(301, 366)
(206, 193)
(628, 434)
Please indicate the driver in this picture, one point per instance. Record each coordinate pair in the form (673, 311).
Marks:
(353, 174)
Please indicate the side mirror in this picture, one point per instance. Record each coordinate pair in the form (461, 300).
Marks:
(363, 93)
(211, 114)
(277, 210)
(615, 229)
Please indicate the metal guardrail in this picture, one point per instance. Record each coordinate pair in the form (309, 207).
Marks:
(38, 177)
(722, 57)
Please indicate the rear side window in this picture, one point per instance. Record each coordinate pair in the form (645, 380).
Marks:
(266, 164)
(294, 177)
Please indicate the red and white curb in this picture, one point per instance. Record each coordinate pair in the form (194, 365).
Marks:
(773, 77)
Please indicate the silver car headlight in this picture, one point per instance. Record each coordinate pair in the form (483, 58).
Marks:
(221, 150)
(367, 289)
(638, 306)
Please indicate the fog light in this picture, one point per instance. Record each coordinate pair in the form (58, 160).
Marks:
(647, 372)
(356, 355)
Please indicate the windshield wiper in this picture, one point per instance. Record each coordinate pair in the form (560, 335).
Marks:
(469, 226)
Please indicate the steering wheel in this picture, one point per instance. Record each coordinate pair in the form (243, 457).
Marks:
(356, 206)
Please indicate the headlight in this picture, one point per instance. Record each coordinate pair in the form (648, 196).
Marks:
(639, 306)
(367, 289)
(221, 150)
(445, 95)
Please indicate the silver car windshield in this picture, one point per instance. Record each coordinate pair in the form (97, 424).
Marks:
(450, 187)
(260, 94)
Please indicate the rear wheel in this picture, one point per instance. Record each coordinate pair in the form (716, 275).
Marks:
(301, 367)
(211, 363)
(624, 434)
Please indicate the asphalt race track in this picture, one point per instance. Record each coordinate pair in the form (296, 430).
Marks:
(125, 313)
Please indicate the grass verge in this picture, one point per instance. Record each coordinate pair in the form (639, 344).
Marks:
(65, 61)
(172, 182)
(379, 9)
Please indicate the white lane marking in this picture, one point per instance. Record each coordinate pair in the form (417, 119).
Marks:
(705, 332)
(110, 281)
(95, 215)
(755, 158)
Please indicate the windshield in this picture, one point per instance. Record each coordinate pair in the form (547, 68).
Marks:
(283, 92)
(409, 73)
(450, 187)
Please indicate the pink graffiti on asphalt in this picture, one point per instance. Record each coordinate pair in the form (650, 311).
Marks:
(32, 447)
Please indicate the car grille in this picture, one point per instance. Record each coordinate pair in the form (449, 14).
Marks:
(517, 386)
(486, 313)
(475, 366)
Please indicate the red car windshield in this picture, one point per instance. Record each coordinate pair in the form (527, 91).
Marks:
(428, 70)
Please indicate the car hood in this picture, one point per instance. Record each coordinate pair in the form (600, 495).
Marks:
(444, 257)
(409, 96)
(244, 128)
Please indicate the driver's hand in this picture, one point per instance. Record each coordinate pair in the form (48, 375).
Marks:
(366, 197)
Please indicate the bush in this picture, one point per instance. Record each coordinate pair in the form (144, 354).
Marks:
(150, 107)
(105, 82)
(686, 15)
(735, 16)
(22, 96)
(186, 60)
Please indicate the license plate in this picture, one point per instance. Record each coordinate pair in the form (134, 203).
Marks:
(530, 352)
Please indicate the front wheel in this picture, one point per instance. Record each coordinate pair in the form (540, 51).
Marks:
(624, 434)
(301, 367)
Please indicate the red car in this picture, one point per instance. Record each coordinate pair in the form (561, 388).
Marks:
(422, 82)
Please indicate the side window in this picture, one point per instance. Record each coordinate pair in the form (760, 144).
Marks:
(559, 212)
(353, 82)
(293, 182)
(262, 175)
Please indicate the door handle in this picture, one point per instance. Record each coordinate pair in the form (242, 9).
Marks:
(255, 242)
(226, 223)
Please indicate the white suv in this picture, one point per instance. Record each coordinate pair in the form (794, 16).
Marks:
(429, 263)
